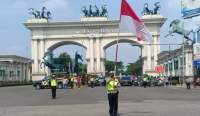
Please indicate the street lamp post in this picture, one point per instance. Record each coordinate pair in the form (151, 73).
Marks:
(184, 62)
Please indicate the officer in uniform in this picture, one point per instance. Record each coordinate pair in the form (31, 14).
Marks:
(72, 82)
(53, 87)
(112, 90)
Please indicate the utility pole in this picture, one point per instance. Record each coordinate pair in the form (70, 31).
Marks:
(184, 63)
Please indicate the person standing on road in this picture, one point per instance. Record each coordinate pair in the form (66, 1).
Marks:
(72, 82)
(188, 82)
(78, 81)
(92, 81)
(112, 90)
(53, 87)
(65, 82)
(145, 82)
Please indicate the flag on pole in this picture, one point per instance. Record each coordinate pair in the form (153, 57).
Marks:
(130, 22)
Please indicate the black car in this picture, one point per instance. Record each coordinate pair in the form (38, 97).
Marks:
(45, 83)
(100, 81)
(126, 81)
(41, 84)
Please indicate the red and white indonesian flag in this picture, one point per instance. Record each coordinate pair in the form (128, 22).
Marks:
(131, 23)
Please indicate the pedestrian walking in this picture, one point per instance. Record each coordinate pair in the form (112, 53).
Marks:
(188, 82)
(92, 81)
(145, 82)
(72, 82)
(65, 82)
(53, 87)
(112, 91)
(166, 80)
(79, 81)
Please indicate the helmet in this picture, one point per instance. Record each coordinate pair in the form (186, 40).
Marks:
(53, 76)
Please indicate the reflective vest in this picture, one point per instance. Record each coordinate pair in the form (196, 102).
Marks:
(112, 86)
(72, 79)
(91, 79)
(53, 82)
(145, 79)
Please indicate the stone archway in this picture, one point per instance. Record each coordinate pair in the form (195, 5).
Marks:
(94, 33)
(53, 46)
(129, 40)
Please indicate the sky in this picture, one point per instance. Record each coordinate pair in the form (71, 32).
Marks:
(15, 39)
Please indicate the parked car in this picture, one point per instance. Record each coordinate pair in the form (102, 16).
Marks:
(126, 81)
(100, 81)
(45, 83)
(41, 84)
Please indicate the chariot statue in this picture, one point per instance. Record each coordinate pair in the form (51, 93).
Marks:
(44, 14)
(147, 11)
(94, 11)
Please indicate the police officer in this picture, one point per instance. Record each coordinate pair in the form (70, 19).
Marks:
(112, 90)
(145, 82)
(72, 82)
(92, 81)
(53, 87)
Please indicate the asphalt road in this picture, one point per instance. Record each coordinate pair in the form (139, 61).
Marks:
(133, 101)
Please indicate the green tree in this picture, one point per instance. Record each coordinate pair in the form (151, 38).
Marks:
(82, 68)
(110, 66)
(134, 68)
(64, 59)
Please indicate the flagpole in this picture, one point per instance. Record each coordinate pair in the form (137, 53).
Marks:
(116, 52)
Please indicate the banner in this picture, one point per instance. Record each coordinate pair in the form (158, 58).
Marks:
(190, 8)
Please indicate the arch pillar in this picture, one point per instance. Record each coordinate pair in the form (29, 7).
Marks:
(91, 48)
(98, 55)
(35, 56)
(102, 60)
(151, 51)
(41, 52)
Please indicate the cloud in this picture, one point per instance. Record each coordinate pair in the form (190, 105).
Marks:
(20, 4)
(173, 3)
(55, 4)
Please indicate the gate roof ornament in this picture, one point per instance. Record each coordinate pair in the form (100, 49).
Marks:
(44, 14)
(94, 11)
(147, 11)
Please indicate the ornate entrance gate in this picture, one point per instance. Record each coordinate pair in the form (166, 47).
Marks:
(95, 34)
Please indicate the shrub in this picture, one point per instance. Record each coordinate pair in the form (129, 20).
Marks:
(174, 82)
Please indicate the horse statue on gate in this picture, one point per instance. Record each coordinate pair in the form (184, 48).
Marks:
(104, 12)
(177, 27)
(85, 11)
(157, 7)
(97, 12)
(147, 11)
(94, 11)
(35, 13)
(44, 14)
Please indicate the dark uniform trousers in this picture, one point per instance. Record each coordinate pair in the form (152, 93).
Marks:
(188, 85)
(113, 103)
(53, 91)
